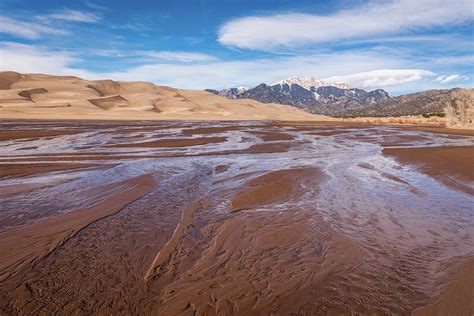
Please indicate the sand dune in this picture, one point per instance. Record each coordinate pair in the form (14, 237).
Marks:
(108, 103)
(7, 78)
(37, 96)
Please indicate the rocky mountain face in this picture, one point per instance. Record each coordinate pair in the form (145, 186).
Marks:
(333, 100)
(338, 100)
(309, 82)
(426, 102)
(327, 100)
(294, 95)
(231, 93)
(460, 109)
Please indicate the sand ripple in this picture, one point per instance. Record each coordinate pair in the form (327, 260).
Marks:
(245, 218)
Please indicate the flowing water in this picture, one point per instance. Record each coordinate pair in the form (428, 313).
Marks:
(262, 219)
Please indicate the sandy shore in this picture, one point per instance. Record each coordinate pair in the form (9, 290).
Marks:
(443, 163)
(457, 296)
(173, 142)
(25, 245)
(235, 218)
(274, 187)
(28, 169)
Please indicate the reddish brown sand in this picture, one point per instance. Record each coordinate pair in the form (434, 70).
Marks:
(319, 123)
(433, 128)
(443, 130)
(20, 170)
(267, 148)
(25, 245)
(183, 142)
(221, 168)
(260, 263)
(273, 187)
(274, 136)
(328, 133)
(167, 250)
(12, 135)
(221, 230)
(458, 298)
(27, 169)
(400, 140)
(254, 149)
(440, 162)
(211, 130)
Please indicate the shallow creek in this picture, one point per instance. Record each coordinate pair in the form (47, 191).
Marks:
(344, 228)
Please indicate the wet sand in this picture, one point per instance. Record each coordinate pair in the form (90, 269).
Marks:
(235, 218)
(443, 130)
(442, 163)
(457, 296)
(274, 136)
(273, 187)
(173, 142)
(12, 135)
(28, 169)
(25, 245)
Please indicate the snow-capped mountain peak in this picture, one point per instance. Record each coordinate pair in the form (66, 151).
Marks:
(308, 82)
(242, 89)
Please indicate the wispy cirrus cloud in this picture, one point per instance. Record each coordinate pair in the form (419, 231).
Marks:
(27, 29)
(177, 56)
(72, 16)
(155, 56)
(451, 78)
(381, 77)
(40, 26)
(95, 6)
(375, 18)
(455, 60)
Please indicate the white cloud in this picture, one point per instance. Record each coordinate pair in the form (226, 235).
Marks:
(455, 60)
(40, 27)
(446, 79)
(381, 77)
(150, 56)
(108, 53)
(28, 30)
(222, 74)
(450, 78)
(366, 69)
(95, 6)
(177, 56)
(375, 18)
(72, 16)
(31, 59)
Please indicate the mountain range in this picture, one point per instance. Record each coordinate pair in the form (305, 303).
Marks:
(34, 96)
(339, 100)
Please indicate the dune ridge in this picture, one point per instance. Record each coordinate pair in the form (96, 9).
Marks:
(38, 96)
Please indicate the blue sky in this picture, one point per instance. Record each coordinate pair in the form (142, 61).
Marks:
(401, 46)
